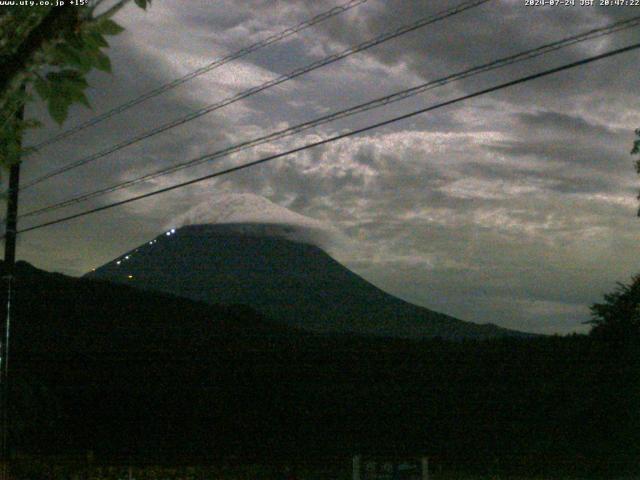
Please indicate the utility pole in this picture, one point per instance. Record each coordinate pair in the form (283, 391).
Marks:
(9, 265)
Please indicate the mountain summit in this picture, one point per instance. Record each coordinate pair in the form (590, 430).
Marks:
(254, 211)
(269, 268)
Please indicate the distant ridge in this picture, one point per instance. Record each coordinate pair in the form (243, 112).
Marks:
(290, 281)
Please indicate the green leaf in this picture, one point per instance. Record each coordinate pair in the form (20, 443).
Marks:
(67, 55)
(67, 86)
(72, 77)
(42, 87)
(107, 26)
(75, 41)
(95, 38)
(82, 98)
(67, 75)
(58, 109)
(102, 62)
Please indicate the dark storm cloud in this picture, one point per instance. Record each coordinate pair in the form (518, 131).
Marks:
(566, 178)
(495, 30)
(573, 154)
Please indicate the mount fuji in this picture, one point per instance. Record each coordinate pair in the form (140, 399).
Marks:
(243, 249)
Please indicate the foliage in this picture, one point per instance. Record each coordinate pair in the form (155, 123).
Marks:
(618, 317)
(635, 151)
(51, 49)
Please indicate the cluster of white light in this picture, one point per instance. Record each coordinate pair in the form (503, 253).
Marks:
(168, 233)
(125, 258)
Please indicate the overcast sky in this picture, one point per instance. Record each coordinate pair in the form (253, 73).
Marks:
(516, 208)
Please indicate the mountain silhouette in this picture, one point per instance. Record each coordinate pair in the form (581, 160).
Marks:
(290, 281)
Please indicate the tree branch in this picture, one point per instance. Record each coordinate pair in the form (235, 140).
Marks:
(113, 10)
(52, 26)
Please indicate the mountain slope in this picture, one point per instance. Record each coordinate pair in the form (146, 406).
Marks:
(293, 282)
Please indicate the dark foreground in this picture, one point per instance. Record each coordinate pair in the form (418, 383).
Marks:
(46, 468)
(147, 379)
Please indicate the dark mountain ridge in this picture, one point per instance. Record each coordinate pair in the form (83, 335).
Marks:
(289, 281)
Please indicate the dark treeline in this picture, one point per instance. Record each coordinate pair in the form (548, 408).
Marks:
(122, 372)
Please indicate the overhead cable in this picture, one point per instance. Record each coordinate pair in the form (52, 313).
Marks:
(264, 86)
(376, 103)
(335, 138)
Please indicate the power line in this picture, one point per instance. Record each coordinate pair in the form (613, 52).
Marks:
(279, 80)
(269, 158)
(200, 71)
(271, 83)
(379, 102)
